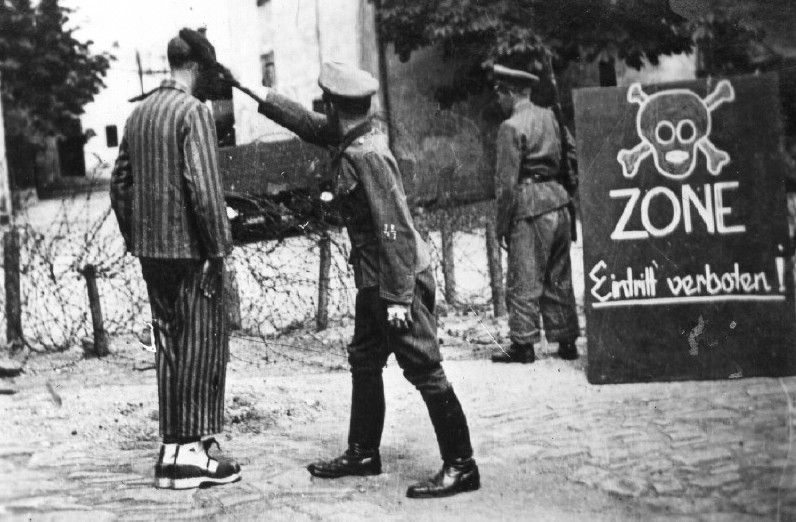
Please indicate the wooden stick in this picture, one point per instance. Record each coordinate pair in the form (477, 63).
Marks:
(322, 315)
(495, 259)
(12, 282)
(249, 92)
(100, 335)
(448, 264)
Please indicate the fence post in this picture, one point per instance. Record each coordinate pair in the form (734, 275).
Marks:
(13, 292)
(322, 314)
(495, 260)
(6, 210)
(448, 265)
(100, 335)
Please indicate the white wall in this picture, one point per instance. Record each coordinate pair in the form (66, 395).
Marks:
(672, 68)
(288, 28)
(241, 33)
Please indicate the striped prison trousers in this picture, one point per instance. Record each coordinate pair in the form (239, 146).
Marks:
(191, 334)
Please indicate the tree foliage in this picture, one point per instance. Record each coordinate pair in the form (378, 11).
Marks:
(48, 76)
(728, 45)
(517, 32)
(508, 30)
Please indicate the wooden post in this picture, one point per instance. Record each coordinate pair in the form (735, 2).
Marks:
(5, 186)
(448, 264)
(100, 335)
(13, 292)
(495, 260)
(322, 314)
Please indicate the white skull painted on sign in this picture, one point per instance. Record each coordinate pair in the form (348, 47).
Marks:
(674, 124)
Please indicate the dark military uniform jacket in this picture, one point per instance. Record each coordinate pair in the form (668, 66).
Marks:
(165, 187)
(386, 250)
(528, 166)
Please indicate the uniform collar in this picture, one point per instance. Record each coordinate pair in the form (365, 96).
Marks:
(171, 83)
(522, 105)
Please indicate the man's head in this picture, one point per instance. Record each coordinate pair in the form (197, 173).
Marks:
(347, 92)
(192, 59)
(179, 54)
(512, 86)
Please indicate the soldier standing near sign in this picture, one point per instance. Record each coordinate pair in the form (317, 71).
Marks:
(166, 193)
(533, 222)
(395, 297)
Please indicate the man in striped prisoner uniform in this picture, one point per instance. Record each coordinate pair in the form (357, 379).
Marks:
(167, 196)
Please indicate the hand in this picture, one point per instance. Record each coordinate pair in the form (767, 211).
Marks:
(211, 276)
(399, 316)
(226, 75)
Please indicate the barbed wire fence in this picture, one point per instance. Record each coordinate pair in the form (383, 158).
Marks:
(277, 281)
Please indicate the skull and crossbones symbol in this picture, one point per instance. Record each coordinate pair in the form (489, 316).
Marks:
(672, 125)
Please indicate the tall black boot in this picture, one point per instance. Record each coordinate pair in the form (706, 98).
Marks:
(364, 431)
(459, 471)
(367, 409)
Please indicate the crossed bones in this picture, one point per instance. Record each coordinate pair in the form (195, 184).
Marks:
(630, 159)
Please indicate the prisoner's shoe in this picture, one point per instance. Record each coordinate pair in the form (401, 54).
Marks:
(192, 468)
(567, 351)
(455, 477)
(355, 461)
(164, 469)
(516, 353)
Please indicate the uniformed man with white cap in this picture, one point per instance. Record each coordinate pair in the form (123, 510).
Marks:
(533, 222)
(396, 289)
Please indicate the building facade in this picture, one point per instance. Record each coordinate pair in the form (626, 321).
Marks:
(274, 43)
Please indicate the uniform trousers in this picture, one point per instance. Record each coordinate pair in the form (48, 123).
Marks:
(191, 335)
(539, 280)
(417, 353)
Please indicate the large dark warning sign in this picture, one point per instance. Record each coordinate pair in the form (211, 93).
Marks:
(684, 229)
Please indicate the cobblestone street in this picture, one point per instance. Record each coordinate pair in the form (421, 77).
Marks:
(80, 444)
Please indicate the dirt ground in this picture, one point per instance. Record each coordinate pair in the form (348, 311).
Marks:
(80, 439)
(79, 436)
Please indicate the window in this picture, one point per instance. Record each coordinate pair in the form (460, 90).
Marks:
(268, 69)
(112, 136)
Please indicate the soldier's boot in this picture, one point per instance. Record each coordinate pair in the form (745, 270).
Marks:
(568, 351)
(364, 432)
(355, 461)
(459, 471)
(516, 353)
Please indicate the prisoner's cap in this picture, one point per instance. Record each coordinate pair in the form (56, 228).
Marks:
(514, 76)
(192, 45)
(347, 81)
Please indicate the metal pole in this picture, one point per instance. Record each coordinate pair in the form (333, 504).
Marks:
(140, 70)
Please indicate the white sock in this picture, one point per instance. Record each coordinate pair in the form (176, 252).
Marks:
(193, 454)
(169, 452)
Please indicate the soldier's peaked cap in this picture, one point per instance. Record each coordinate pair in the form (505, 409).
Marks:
(347, 81)
(516, 76)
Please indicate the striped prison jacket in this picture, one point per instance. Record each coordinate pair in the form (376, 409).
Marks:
(165, 188)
